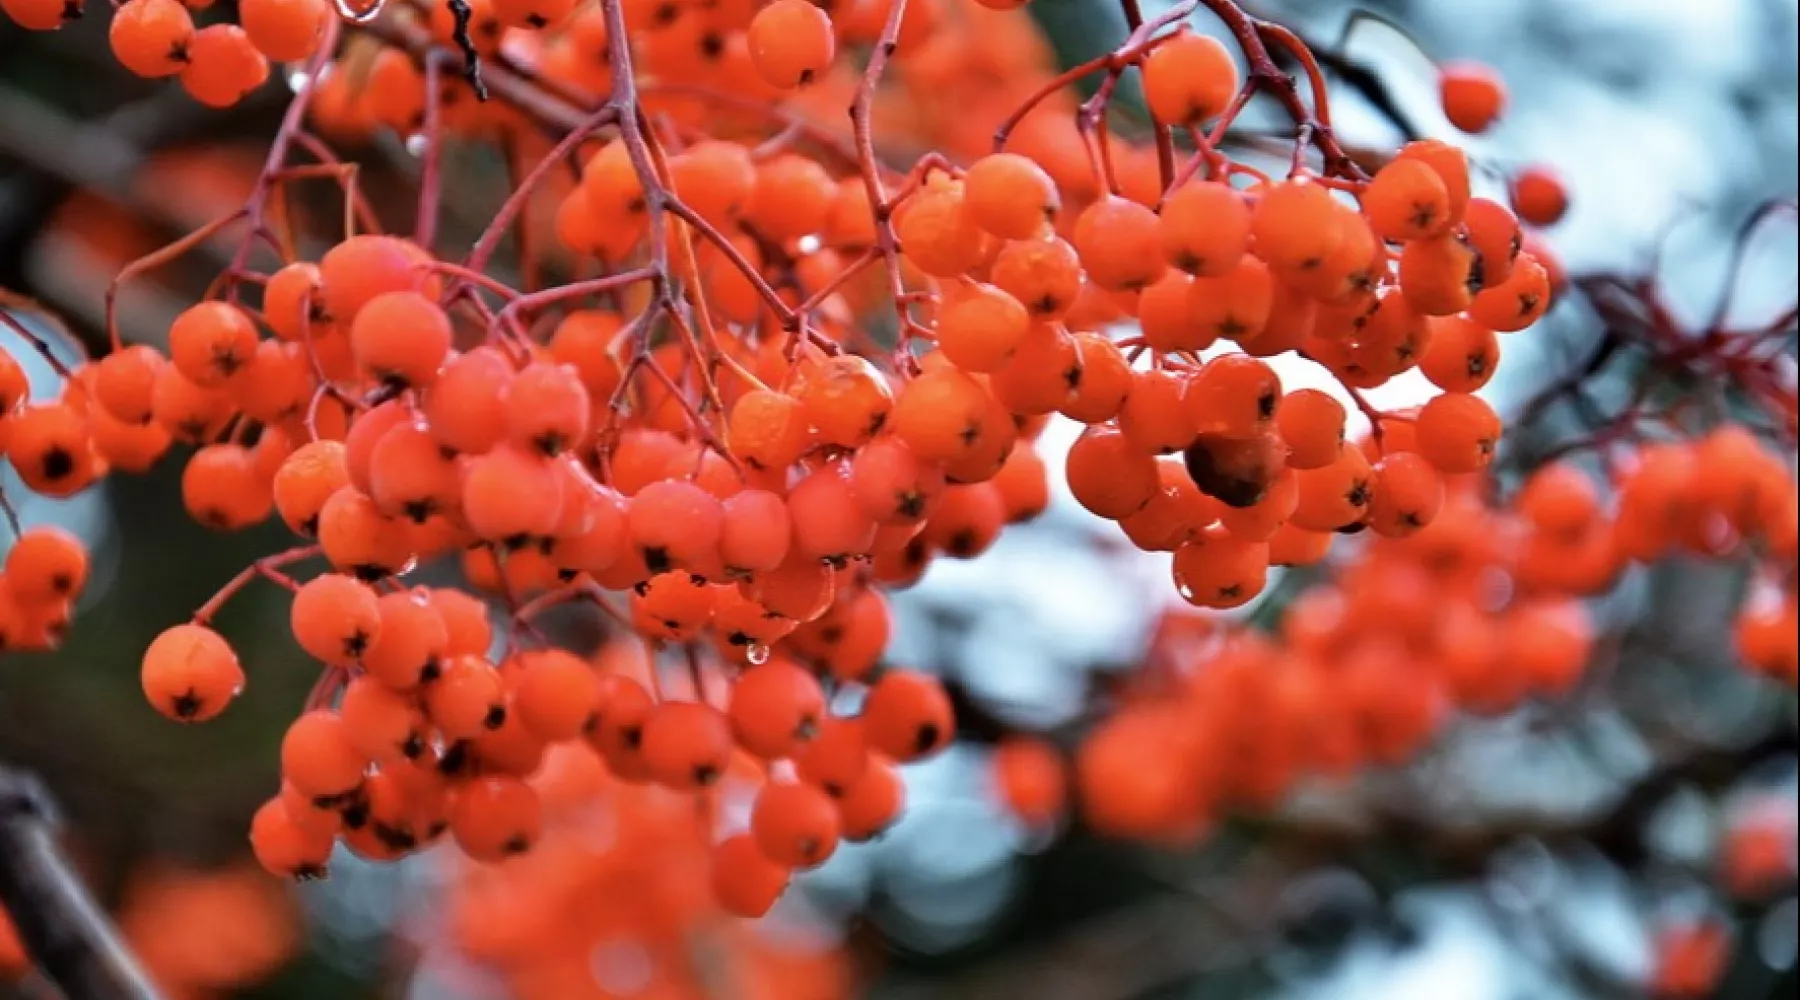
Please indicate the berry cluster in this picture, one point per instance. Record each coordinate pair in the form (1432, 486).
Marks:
(776, 375)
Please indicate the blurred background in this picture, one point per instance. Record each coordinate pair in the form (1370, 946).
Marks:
(1544, 855)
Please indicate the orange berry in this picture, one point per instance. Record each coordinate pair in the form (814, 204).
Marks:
(495, 817)
(35, 15)
(46, 565)
(1233, 395)
(979, 329)
(1472, 94)
(1120, 244)
(152, 38)
(1189, 79)
(744, 881)
(319, 758)
(547, 408)
(211, 341)
(223, 489)
(686, 745)
(285, 848)
(335, 618)
(1043, 274)
(1291, 225)
(794, 825)
(402, 338)
(907, 716)
(1108, 474)
(557, 694)
(190, 673)
(1311, 423)
(1408, 493)
(1517, 302)
(1234, 306)
(465, 408)
(223, 66)
(1461, 354)
(1010, 196)
(846, 399)
(1406, 200)
(1205, 228)
(1215, 569)
(1031, 778)
(1458, 432)
(791, 43)
(872, 803)
(285, 30)
(1539, 195)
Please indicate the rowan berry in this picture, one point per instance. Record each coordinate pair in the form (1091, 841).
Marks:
(1044, 275)
(335, 618)
(557, 694)
(1406, 200)
(744, 881)
(1472, 94)
(686, 745)
(1043, 373)
(1408, 493)
(125, 383)
(1336, 496)
(364, 267)
(1031, 779)
(1539, 195)
(509, 495)
(466, 698)
(1120, 244)
(46, 565)
(1458, 432)
(1011, 196)
(793, 197)
(791, 43)
(795, 825)
(223, 489)
(319, 758)
(1176, 513)
(1152, 417)
(846, 400)
(152, 38)
(495, 817)
(358, 538)
(223, 66)
(547, 408)
(1190, 78)
(285, 30)
(1311, 424)
(979, 329)
(907, 716)
(1216, 569)
(1108, 474)
(1517, 302)
(283, 847)
(1452, 167)
(872, 803)
(937, 230)
(189, 673)
(380, 723)
(39, 15)
(211, 341)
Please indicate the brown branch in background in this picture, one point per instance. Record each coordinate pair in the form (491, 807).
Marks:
(62, 928)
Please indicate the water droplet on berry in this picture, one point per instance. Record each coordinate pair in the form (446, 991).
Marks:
(757, 653)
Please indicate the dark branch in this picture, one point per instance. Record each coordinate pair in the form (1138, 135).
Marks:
(63, 930)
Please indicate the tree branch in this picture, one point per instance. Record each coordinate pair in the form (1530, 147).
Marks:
(62, 928)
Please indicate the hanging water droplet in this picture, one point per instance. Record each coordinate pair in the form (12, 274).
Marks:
(757, 653)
